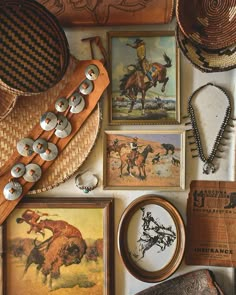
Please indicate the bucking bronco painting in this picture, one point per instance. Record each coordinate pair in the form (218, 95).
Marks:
(144, 78)
(144, 159)
(155, 242)
(151, 238)
(56, 251)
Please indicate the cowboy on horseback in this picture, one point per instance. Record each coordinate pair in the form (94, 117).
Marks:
(134, 151)
(140, 47)
(149, 223)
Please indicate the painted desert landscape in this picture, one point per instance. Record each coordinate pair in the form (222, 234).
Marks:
(161, 166)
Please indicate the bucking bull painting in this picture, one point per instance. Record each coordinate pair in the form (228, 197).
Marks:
(50, 249)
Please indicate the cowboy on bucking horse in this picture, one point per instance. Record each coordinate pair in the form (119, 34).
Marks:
(140, 47)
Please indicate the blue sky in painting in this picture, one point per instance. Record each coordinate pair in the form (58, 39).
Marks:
(174, 139)
(123, 55)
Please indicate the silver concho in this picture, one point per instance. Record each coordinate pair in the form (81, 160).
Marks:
(79, 108)
(40, 145)
(75, 99)
(18, 170)
(92, 72)
(33, 172)
(61, 104)
(62, 122)
(51, 152)
(25, 147)
(12, 190)
(64, 133)
(48, 121)
(86, 87)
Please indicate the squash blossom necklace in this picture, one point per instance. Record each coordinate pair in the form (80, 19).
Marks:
(208, 160)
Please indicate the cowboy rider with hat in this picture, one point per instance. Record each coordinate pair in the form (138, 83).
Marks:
(140, 47)
(134, 151)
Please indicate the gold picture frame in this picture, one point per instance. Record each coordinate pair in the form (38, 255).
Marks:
(145, 78)
(59, 244)
(159, 161)
(151, 238)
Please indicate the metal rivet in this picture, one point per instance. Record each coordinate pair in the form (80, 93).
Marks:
(61, 104)
(12, 190)
(48, 121)
(25, 147)
(51, 152)
(33, 172)
(86, 87)
(79, 108)
(18, 170)
(75, 99)
(92, 72)
(40, 145)
(64, 133)
(62, 122)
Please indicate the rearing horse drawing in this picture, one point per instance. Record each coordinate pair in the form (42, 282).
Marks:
(135, 81)
(164, 237)
(139, 161)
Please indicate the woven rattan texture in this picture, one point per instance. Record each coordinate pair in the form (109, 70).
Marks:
(209, 23)
(7, 102)
(27, 113)
(33, 49)
(207, 61)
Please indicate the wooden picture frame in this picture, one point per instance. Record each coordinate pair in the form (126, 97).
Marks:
(158, 164)
(62, 244)
(144, 73)
(151, 238)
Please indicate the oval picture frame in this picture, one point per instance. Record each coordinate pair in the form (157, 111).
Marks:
(151, 238)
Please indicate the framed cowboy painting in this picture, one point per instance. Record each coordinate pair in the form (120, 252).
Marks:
(59, 246)
(144, 72)
(144, 160)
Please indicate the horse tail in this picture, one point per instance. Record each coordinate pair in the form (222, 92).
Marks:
(167, 60)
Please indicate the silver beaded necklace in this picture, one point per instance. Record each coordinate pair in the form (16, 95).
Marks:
(208, 165)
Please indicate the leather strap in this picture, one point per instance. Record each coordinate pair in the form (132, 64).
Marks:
(76, 121)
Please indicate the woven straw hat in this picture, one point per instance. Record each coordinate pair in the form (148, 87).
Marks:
(7, 103)
(34, 52)
(206, 60)
(209, 23)
(26, 114)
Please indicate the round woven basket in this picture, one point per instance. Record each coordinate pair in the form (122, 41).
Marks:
(211, 24)
(26, 114)
(34, 51)
(7, 103)
(205, 60)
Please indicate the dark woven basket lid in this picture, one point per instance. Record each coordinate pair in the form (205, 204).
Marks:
(209, 23)
(206, 60)
(34, 51)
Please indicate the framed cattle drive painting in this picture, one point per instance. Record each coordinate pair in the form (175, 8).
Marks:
(59, 246)
(144, 160)
(144, 72)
